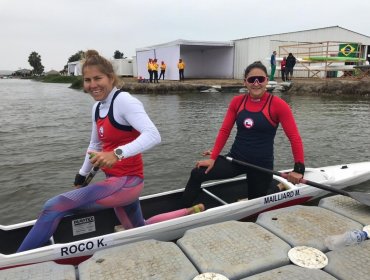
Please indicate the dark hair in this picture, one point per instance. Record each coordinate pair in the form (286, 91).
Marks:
(256, 64)
(92, 58)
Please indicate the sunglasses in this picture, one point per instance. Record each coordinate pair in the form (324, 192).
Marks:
(259, 79)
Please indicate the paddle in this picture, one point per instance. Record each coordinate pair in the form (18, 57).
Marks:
(90, 176)
(359, 196)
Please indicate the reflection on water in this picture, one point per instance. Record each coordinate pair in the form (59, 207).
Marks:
(45, 130)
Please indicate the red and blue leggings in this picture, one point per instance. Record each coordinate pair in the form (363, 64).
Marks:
(120, 193)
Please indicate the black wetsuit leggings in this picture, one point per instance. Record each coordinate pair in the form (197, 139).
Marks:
(162, 74)
(155, 74)
(181, 74)
(259, 183)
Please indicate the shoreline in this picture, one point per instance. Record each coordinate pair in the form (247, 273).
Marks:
(170, 87)
(349, 87)
(300, 86)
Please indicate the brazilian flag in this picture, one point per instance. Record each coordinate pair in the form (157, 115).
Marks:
(348, 50)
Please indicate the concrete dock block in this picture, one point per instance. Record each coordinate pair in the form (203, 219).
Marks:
(306, 225)
(149, 260)
(292, 272)
(40, 271)
(234, 249)
(351, 262)
(348, 207)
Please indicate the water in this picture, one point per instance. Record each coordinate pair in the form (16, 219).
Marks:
(45, 130)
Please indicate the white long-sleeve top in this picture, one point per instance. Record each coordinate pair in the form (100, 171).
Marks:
(129, 111)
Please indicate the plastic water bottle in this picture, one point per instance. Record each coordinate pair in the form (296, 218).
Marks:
(335, 242)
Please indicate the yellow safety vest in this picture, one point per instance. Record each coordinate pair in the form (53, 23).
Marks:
(181, 65)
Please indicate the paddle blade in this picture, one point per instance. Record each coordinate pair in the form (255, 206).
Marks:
(360, 197)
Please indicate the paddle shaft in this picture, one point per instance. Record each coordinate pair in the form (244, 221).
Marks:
(285, 175)
(90, 176)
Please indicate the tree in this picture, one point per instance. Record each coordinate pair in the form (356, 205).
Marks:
(35, 61)
(77, 56)
(118, 55)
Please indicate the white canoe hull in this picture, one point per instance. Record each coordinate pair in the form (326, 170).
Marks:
(75, 252)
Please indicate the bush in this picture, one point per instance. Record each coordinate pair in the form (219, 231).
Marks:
(77, 83)
(58, 79)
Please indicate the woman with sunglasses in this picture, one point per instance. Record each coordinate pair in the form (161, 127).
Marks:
(257, 115)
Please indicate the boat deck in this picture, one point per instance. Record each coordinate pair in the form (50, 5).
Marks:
(237, 250)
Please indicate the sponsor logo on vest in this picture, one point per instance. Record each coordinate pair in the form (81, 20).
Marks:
(101, 131)
(83, 246)
(248, 123)
(281, 196)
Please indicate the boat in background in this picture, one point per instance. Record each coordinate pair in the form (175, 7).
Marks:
(212, 89)
(332, 59)
(271, 85)
(310, 59)
(282, 86)
(79, 236)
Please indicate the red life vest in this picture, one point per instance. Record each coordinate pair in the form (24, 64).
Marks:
(112, 134)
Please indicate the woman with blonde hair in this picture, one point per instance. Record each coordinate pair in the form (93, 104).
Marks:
(121, 132)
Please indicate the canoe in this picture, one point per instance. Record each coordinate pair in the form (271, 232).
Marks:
(79, 236)
(310, 59)
(332, 59)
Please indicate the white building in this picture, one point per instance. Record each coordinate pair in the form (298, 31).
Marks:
(251, 49)
(202, 59)
(74, 68)
(122, 67)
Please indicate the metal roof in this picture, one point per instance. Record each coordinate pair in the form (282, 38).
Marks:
(329, 27)
(190, 43)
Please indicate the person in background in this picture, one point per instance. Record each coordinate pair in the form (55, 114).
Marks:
(273, 66)
(256, 115)
(155, 70)
(282, 68)
(163, 70)
(181, 67)
(121, 132)
(290, 63)
(150, 69)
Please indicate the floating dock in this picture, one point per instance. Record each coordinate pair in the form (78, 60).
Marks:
(232, 249)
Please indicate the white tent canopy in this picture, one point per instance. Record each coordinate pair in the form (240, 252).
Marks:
(202, 59)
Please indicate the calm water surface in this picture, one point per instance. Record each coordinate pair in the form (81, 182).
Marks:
(45, 130)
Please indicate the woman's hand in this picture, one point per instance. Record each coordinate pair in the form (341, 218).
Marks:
(294, 177)
(207, 153)
(103, 159)
(79, 180)
(206, 163)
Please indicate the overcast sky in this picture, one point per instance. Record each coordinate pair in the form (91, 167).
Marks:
(57, 29)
